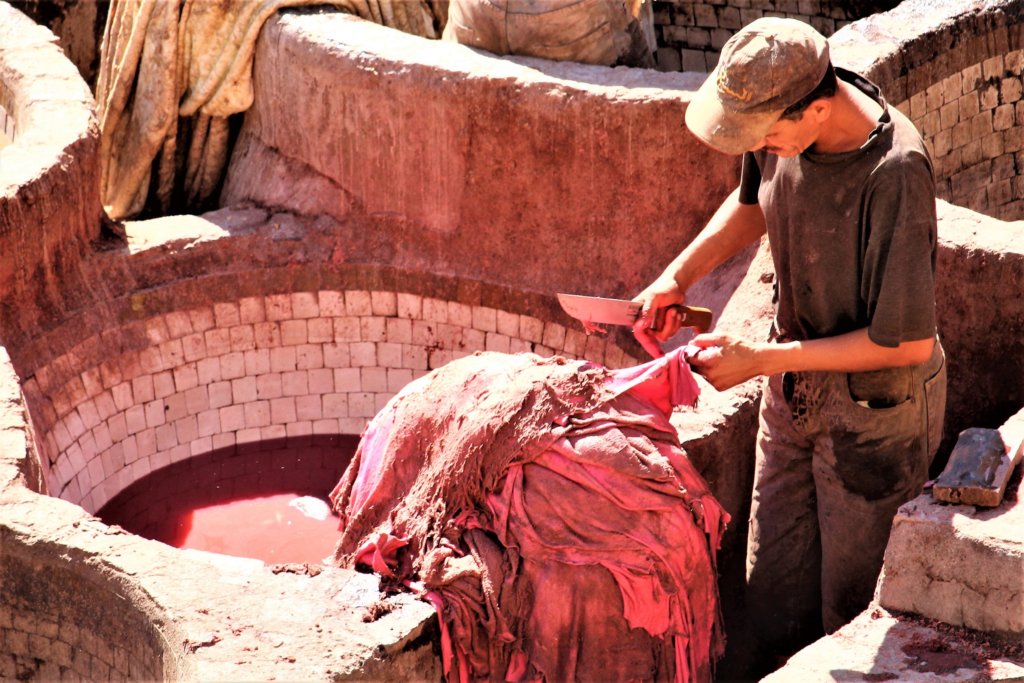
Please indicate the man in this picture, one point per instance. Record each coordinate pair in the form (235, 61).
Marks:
(854, 397)
(603, 32)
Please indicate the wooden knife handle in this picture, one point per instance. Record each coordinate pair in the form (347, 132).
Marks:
(690, 316)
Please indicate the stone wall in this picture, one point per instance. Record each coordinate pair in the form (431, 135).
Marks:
(973, 120)
(957, 75)
(58, 630)
(691, 33)
(49, 208)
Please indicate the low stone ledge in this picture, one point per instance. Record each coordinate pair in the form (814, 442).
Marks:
(224, 618)
(957, 564)
(880, 646)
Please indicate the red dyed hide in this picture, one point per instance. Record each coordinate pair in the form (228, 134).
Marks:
(547, 510)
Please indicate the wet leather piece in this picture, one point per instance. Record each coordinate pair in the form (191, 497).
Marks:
(546, 509)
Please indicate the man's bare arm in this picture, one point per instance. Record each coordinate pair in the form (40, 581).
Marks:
(725, 361)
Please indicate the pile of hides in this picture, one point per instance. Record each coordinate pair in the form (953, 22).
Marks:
(172, 72)
(546, 509)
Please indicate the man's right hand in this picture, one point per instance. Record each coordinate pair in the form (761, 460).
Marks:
(659, 295)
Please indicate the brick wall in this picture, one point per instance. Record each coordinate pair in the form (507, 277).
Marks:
(69, 628)
(958, 78)
(691, 33)
(259, 369)
(973, 121)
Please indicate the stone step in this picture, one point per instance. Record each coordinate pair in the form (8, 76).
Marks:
(960, 564)
(881, 646)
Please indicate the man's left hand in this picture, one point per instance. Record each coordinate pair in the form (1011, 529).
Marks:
(722, 359)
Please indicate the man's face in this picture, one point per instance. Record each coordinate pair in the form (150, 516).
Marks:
(789, 137)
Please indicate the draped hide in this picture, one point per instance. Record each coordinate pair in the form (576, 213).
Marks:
(171, 74)
(547, 510)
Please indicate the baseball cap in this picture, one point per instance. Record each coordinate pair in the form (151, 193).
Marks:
(768, 65)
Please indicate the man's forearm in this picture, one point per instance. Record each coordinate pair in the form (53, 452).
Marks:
(726, 361)
(850, 352)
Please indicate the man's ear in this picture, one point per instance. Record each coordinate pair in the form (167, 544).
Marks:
(821, 109)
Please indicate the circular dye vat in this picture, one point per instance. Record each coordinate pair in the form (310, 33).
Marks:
(266, 501)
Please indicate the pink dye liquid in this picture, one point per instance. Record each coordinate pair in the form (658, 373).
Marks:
(269, 528)
(267, 502)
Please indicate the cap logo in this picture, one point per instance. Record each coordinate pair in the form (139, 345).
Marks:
(743, 95)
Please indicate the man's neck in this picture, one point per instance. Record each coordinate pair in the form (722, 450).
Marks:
(854, 115)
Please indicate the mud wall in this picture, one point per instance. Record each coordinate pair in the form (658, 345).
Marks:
(539, 175)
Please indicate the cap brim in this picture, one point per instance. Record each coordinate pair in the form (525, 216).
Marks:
(727, 131)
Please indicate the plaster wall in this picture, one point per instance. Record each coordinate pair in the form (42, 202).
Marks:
(539, 175)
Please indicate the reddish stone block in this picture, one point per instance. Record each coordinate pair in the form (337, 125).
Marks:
(293, 332)
(295, 383)
(331, 303)
(218, 342)
(269, 386)
(309, 407)
(383, 303)
(163, 384)
(320, 330)
(305, 305)
(243, 338)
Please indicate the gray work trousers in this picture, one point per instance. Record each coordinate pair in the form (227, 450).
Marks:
(837, 454)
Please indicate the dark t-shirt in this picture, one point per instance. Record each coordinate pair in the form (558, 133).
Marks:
(853, 234)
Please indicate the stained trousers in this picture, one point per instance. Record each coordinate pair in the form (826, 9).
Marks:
(837, 454)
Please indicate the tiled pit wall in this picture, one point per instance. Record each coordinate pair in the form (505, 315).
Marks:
(264, 368)
(691, 33)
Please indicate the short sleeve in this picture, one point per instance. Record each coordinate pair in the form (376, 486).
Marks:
(750, 179)
(898, 280)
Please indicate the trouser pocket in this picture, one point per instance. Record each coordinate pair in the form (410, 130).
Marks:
(878, 389)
